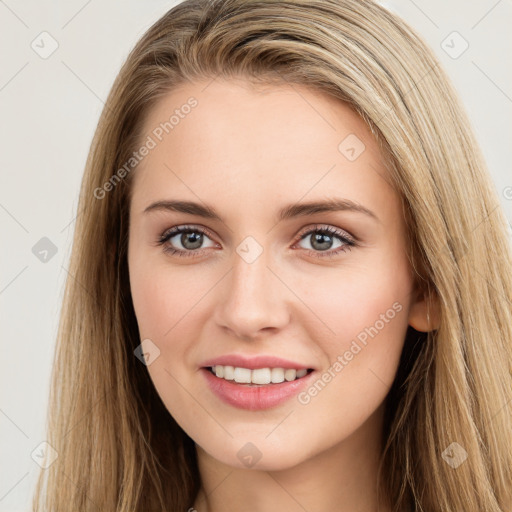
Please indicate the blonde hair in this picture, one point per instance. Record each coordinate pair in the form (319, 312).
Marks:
(118, 447)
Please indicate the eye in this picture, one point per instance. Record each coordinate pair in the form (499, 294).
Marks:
(184, 240)
(321, 240)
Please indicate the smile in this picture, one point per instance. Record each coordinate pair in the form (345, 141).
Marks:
(256, 389)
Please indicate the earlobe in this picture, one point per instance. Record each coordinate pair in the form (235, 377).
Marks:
(424, 314)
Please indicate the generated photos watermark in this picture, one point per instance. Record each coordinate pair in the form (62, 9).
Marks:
(149, 144)
(356, 346)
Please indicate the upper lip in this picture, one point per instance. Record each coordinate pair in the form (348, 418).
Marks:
(254, 362)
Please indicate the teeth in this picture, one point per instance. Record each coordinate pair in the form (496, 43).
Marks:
(258, 376)
(290, 374)
(229, 372)
(242, 375)
(261, 376)
(277, 375)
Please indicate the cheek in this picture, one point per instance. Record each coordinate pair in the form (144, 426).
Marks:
(161, 296)
(165, 304)
(367, 316)
(362, 322)
(169, 305)
(354, 301)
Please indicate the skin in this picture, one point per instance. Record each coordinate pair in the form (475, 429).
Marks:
(247, 152)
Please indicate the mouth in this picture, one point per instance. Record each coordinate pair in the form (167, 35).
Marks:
(256, 389)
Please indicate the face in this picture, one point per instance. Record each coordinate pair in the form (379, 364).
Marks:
(254, 272)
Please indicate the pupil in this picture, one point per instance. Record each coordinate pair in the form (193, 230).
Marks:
(321, 241)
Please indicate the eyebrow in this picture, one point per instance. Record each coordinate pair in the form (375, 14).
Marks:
(287, 212)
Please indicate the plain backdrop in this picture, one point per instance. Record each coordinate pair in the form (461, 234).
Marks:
(49, 107)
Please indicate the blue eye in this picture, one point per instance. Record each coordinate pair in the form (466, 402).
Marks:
(322, 240)
(191, 239)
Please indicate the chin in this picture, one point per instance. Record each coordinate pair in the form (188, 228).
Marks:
(259, 455)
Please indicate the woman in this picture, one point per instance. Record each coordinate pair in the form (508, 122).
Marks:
(249, 153)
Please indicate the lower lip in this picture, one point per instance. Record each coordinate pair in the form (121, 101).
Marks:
(256, 397)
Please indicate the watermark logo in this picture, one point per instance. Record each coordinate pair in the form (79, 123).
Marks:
(147, 352)
(44, 250)
(351, 147)
(454, 455)
(454, 45)
(249, 455)
(249, 249)
(44, 455)
(44, 45)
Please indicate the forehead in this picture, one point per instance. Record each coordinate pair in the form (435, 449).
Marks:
(228, 139)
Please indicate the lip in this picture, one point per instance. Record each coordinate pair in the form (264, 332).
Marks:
(254, 397)
(255, 362)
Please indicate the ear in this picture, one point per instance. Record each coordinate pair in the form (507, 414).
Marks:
(424, 312)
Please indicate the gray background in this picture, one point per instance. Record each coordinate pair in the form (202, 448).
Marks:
(49, 108)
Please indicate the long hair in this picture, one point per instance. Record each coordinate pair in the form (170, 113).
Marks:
(118, 447)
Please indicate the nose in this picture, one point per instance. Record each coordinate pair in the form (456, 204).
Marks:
(252, 300)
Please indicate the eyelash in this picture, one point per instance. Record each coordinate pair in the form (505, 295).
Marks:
(348, 242)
